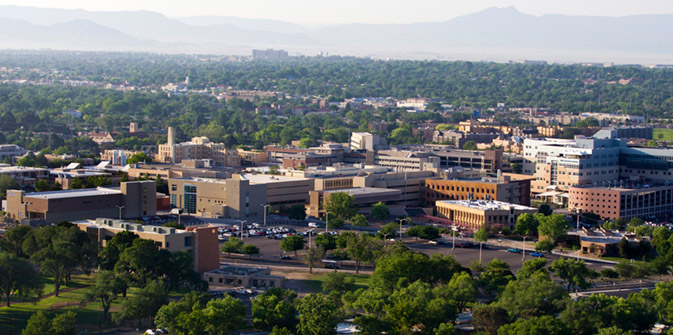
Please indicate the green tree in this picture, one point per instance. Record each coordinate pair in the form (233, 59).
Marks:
(362, 249)
(554, 226)
(489, 318)
(337, 282)
(314, 256)
(389, 230)
(275, 309)
(250, 249)
(167, 315)
(545, 245)
(140, 157)
(360, 220)
(144, 304)
(38, 324)
(109, 256)
(626, 268)
(325, 241)
(526, 224)
(545, 209)
(42, 186)
(380, 211)
(416, 307)
(173, 224)
(292, 243)
(481, 236)
(536, 295)
(222, 316)
(425, 232)
(63, 324)
(573, 272)
(14, 239)
(7, 183)
(18, 278)
(234, 244)
(340, 206)
(495, 277)
(531, 267)
(76, 184)
(105, 289)
(462, 290)
(613, 330)
(536, 325)
(298, 212)
(318, 315)
(469, 145)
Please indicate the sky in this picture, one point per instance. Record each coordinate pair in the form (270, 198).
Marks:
(360, 11)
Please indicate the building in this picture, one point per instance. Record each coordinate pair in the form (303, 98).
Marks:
(117, 156)
(475, 214)
(502, 189)
(187, 169)
(240, 276)
(198, 148)
(618, 200)
(23, 175)
(134, 199)
(645, 132)
(363, 198)
(241, 196)
(458, 139)
(200, 242)
(367, 141)
(269, 54)
(405, 160)
(65, 176)
(101, 138)
(489, 160)
(11, 150)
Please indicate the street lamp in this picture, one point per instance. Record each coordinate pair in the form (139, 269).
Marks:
(326, 221)
(400, 220)
(523, 256)
(242, 221)
(265, 210)
(120, 211)
(579, 212)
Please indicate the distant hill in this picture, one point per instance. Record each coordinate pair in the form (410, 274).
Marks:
(495, 33)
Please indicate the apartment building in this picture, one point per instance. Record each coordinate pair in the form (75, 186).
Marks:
(134, 199)
(475, 214)
(200, 242)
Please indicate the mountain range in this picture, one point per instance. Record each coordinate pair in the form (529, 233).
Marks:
(495, 33)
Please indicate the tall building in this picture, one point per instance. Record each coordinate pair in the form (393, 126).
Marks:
(197, 148)
(367, 141)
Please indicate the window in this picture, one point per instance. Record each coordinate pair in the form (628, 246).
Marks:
(188, 241)
(174, 187)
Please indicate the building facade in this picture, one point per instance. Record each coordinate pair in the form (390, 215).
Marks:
(500, 189)
(622, 202)
(475, 214)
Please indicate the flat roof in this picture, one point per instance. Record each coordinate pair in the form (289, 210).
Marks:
(267, 178)
(363, 190)
(89, 192)
(122, 225)
(10, 169)
(486, 204)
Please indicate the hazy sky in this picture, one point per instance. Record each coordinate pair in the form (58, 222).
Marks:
(366, 11)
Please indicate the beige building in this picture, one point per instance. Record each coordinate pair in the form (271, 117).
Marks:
(241, 196)
(136, 199)
(237, 276)
(24, 175)
(201, 242)
(197, 148)
(479, 213)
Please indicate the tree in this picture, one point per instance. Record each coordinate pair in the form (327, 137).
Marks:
(222, 316)
(426, 232)
(526, 224)
(234, 244)
(140, 157)
(489, 318)
(389, 230)
(360, 220)
(275, 309)
(274, 170)
(144, 304)
(625, 268)
(141, 262)
(173, 224)
(38, 324)
(536, 325)
(76, 184)
(545, 245)
(250, 249)
(297, 212)
(325, 241)
(573, 272)
(613, 330)
(516, 167)
(317, 315)
(361, 249)
(417, 307)
(533, 296)
(340, 205)
(531, 267)
(461, 290)
(106, 289)
(14, 238)
(314, 256)
(109, 256)
(495, 277)
(63, 324)
(18, 277)
(554, 227)
(481, 236)
(167, 315)
(7, 183)
(545, 209)
(42, 186)
(337, 282)
(469, 145)
(380, 211)
(623, 248)
(292, 243)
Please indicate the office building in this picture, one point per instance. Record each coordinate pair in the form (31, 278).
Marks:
(621, 200)
(363, 198)
(502, 189)
(367, 141)
(134, 199)
(475, 214)
(25, 175)
(200, 242)
(197, 149)
(242, 276)
(11, 150)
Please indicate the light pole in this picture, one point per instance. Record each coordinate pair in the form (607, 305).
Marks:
(326, 221)
(523, 256)
(242, 221)
(120, 211)
(400, 220)
(265, 209)
(578, 211)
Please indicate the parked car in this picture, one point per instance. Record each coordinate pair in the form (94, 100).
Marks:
(514, 250)
(537, 254)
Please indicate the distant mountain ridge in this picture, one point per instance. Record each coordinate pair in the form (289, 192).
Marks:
(489, 32)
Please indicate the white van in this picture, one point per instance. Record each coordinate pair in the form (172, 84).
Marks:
(313, 224)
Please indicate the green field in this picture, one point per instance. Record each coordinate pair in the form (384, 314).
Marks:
(667, 134)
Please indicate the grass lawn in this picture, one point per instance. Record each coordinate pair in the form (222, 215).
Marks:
(667, 134)
(314, 283)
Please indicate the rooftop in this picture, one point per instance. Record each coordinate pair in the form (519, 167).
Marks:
(486, 204)
(267, 178)
(130, 226)
(11, 169)
(363, 190)
(89, 192)
(240, 270)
